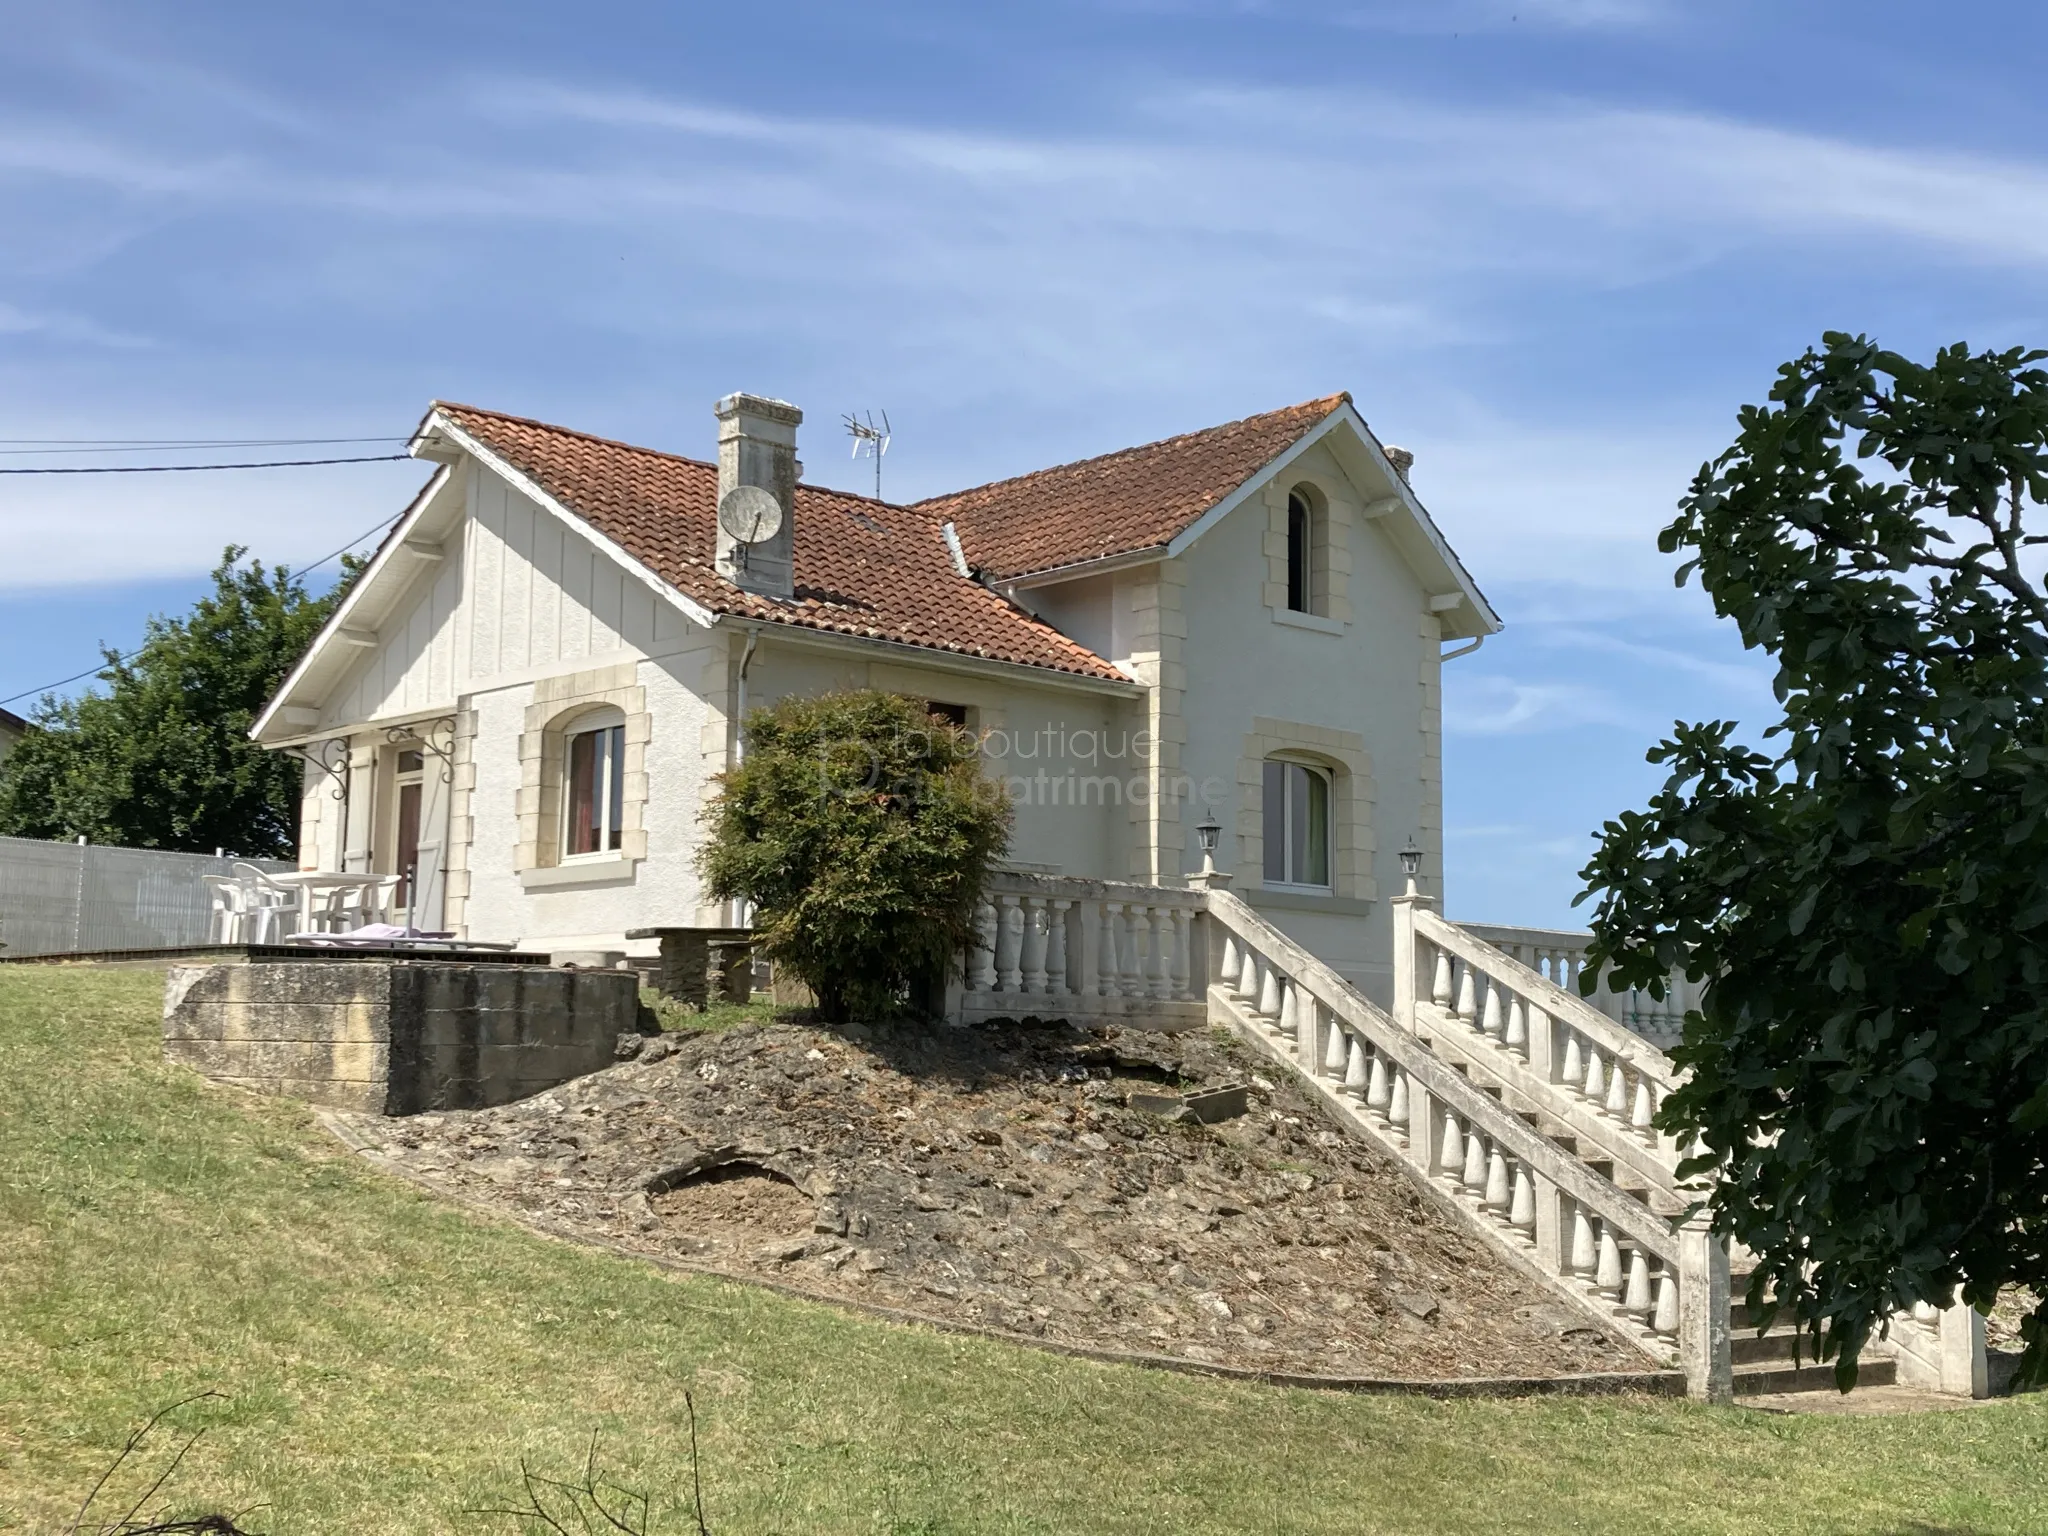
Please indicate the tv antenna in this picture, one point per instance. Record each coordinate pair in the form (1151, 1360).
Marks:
(869, 438)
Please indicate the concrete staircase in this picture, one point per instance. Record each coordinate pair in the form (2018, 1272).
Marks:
(1536, 1124)
(1526, 1111)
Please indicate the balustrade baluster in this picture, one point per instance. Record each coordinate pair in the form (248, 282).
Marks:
(1031, 953)
(1106, 963)
(1496, 1199)
(1666, 1320)
(1642, 1111)
(1269, 989)
(1335, 1050)
(1450, 1157)
(981, 959)
(1144, 952)
(1289, 1028)
(1585, 1249)
(1473, 1175)
(1057, 980)
(1009, 976)
(1595, 1089)
(1130, 938)
(1397, 1102)
(1183, 954)
(1159, 965)
(1467, 1004)
(1607, 1281)
(1440, 982)
(1522, 1206)
(1516, 1036)
(1617, 1091)
(1573, 1073)
(1362, 1081)
(1635, 1299)
(1491, 1022)
(1233, 961)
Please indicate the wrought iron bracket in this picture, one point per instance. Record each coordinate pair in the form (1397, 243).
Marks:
(436, 737)
(331, 758)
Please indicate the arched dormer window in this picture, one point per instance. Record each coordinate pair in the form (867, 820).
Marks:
(1308, 552)
(593, 784)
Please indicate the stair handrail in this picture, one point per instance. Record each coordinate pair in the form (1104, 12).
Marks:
(1689, 1316)
(1360, 1014)
(1565, 1007)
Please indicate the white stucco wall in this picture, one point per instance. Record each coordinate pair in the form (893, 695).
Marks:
(519, 597)
(661, 889)
(1065, 753)
(1241, 663)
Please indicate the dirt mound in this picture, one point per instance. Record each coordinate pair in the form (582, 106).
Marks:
(999, 1177)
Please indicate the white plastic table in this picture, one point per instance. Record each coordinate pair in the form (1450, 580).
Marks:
(313, 883)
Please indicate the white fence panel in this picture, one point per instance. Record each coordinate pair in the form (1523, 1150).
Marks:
(60, 898)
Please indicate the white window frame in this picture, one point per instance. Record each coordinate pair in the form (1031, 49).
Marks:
(1289, 816)
(1315, 555)
(609, 771)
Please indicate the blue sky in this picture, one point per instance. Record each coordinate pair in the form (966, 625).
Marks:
(1549, 245)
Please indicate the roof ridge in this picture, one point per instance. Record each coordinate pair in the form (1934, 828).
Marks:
(653, 453)
(1328, 402)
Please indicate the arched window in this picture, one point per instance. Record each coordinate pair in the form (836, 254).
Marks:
(593, 784)
(1297, 830)
(1307, 552)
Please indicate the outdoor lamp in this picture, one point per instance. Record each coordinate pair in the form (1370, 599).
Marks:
(1206, 833)
(1411, 864)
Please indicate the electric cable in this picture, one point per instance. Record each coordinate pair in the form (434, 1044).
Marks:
(131, 655)
(173, 469)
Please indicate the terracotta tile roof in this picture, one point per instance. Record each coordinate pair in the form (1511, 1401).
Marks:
(863, 567)
(1122, 502)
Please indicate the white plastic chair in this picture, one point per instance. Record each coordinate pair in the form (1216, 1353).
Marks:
(267, 907)
(226, 924)
(369, 902)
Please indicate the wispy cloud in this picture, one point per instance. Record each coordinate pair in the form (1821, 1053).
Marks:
(1491, 705)
(1103, 276)
(55, 326)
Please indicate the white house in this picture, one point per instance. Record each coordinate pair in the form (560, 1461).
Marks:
(529, 693)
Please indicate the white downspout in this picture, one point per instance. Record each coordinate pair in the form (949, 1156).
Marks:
(739, 733)
(1463, 650)
(740, 917)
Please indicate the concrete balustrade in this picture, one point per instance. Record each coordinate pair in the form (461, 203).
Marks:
(1524, 1109)
(1086, 950)
(1482, 1159)
(1559, 956)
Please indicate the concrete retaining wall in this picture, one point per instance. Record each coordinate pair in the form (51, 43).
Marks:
(396, 1037)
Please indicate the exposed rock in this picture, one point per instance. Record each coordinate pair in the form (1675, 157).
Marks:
(1418, 1306)
(998, 1176)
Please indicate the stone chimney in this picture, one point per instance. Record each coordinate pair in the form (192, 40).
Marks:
(1400, 458)
(757, 446)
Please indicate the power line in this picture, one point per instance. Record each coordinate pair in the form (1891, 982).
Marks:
(131, 655)
(173, 469)
(26, 447)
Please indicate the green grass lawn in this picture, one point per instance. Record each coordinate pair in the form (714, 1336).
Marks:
(387, 1362)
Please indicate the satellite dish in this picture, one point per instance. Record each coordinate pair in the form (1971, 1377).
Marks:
(750, 513)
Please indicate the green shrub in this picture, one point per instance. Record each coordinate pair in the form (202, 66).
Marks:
(862, 830)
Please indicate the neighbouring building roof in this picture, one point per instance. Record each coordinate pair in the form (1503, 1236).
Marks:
(12, 724)
(1120, 503)
(864, 568)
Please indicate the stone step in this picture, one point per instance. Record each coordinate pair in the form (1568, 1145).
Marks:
(1753, 1379)
(1747, 1347)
